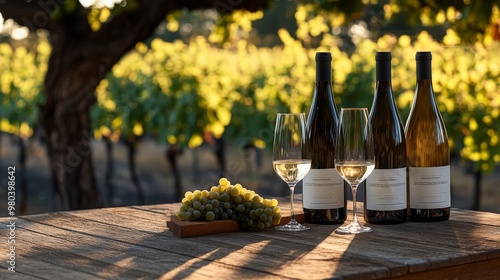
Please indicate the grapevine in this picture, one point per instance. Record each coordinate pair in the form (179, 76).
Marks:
(230, 202)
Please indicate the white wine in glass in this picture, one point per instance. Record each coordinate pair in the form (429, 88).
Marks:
(354, 156)
(291, 157)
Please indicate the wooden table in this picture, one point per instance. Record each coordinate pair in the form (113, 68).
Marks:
(134, 242)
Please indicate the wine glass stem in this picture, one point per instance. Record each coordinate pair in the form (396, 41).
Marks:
(354, 210)
(292, 190)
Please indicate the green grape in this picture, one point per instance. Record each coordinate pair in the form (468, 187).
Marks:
(257, 205)
(268, 211)
(256, 198)
(214, 195)
(229, 211)
(252, 215)
(197, 193)
(215, 203)
(224, 181)
(235, 192)
(202, 208)
(224, 197)
(247, 204)
(187, 215)
(196, 205)
(208, 207)
(227, 205)
(224, 216)
(261, 225)
(215, 210)
(210, 216)
(263, 217)
(204, 193)
(274, 202)
(189, 195)
(203, 200)
(238, 200)
(248, 196)
(240, 208)
(196, 214)
(259, 212)
(191, 209)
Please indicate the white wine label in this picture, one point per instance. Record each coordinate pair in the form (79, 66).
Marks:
(386, 190)
(323, 189)
(429, 187)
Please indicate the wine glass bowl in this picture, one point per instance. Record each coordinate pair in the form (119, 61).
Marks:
(354, 156)
(291, 158)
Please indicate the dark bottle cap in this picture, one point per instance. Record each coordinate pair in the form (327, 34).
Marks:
(384, 56)
(323, 67)
(323, 56)
(383, 66)
(424, 65)
(423, 56)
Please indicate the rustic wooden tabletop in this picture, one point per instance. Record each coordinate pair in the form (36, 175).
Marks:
(135, 243)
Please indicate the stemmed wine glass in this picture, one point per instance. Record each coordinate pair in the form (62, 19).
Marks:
(291, 157)
(354, 156)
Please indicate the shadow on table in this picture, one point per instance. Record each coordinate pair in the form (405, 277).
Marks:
(396, 250)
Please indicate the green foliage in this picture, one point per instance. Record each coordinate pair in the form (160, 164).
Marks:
(179, 92)
(21, 82)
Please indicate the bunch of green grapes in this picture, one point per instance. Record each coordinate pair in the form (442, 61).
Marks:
(230, 202)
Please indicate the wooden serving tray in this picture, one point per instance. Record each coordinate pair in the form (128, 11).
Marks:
(191, 228)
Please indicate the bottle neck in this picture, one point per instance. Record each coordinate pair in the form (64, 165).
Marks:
(383, 81)
(383, 71)
(323, 71)
(424, 91)
(424, 71)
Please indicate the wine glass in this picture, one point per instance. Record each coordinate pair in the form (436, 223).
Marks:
(291, 158)
(354, 156)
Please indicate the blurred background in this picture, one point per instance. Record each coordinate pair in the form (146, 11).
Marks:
(112, 103)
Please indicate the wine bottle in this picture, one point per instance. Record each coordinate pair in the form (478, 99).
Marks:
(386, 187)
(427, 150)
(324, 199)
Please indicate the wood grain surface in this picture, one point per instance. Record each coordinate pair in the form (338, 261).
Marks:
(135, 243)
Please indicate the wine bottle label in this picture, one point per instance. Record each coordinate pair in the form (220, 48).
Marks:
(429, 187)
(386, 190)
(322, 189)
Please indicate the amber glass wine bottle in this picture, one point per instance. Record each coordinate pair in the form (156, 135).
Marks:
(386, 187)
(324, 196)
(427, 151)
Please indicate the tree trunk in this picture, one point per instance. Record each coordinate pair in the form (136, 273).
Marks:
(478, 176)
(131, 152)
(109, 169)
(172, 153)
(71, 79)
(23, 206)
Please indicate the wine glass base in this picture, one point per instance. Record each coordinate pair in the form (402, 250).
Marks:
(292, 226)
(353, 228)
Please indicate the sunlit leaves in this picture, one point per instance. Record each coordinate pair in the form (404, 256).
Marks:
(21, 77)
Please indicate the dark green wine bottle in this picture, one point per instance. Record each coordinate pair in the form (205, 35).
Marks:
(386, 187)
(324, 195)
